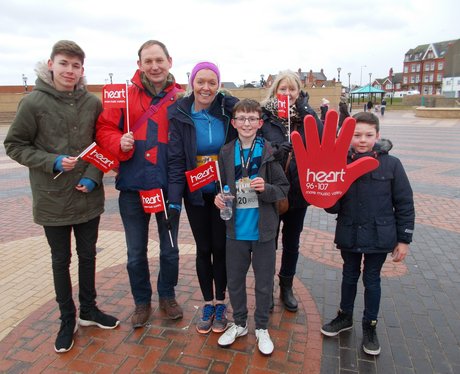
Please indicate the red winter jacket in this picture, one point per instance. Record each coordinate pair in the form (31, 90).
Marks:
(145, 167)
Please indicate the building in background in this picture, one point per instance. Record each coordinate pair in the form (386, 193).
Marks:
(424, 67)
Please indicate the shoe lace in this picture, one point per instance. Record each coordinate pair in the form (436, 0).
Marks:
(370, 334)
(208, 311)
(220, 310)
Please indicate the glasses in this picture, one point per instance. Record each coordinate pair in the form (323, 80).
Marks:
(242, 120)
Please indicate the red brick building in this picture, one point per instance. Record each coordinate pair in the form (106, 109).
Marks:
(424, 67)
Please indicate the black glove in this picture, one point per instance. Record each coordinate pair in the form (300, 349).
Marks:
(173, 215)
(281, 150)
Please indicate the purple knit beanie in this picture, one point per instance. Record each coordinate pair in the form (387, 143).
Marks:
(201, 66)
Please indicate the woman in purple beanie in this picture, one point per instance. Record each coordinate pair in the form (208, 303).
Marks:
(199, 125)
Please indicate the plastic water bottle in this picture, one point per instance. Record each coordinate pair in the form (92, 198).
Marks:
(226, 213)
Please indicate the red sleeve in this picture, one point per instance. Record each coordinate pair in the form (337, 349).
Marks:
(108, 133)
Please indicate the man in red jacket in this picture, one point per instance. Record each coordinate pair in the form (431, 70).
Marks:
(139, 138)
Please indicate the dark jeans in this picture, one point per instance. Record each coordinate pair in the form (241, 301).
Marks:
(292, 228)
(59, 239)
(209, 232)
(136, 224)
(373, 263)
(240, 254)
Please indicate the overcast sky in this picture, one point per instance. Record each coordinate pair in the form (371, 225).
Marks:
(245, 38)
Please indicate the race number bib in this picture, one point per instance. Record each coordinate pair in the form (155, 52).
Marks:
(246, 197)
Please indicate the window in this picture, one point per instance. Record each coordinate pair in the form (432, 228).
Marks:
(431, 77)
(418, 68)
(417, 79)
(412, 78)
(426, 67)
(412, 68)
(440, 65)
(406, 69)
(438, 77)
(432, 66)
(405, 80)
(426, 77)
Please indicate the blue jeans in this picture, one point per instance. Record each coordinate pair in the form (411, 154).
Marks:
(136, 224)
(292, 228)
(59, 240)
(373, 263)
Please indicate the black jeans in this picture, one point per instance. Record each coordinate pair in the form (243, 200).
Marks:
(372, 266)
(59, 239)
(209, 232)
(292, 228)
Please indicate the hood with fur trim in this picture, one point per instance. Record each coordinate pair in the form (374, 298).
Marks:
(43, 73)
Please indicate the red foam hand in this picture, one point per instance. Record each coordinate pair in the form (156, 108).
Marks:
(324, 174)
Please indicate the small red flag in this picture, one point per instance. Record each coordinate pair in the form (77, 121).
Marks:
(100, 158)
(152, 200)
(114, 96)
(283, 106)
(202, 175)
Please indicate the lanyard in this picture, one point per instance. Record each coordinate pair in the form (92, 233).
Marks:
(245, 164)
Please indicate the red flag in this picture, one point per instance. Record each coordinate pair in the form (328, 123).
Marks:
(100, 158)
(202, 175)
(283, 106)
(114, 96)
(152, 200)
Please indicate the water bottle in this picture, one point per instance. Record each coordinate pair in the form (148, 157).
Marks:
(226, 213)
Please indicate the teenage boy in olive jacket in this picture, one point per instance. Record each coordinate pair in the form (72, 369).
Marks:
(53, 125)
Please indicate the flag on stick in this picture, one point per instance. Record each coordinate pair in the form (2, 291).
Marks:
(153, 202)
(202, 175)
(283, 105)
(100, 158)
(114, 96)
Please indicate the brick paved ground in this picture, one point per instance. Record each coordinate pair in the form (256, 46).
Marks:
(419, 324)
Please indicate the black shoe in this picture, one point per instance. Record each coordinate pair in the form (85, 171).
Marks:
(94, 317)
(64, 340)
(343, 321)
(371, 343)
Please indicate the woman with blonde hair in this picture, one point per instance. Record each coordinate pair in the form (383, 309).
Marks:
(277, 130)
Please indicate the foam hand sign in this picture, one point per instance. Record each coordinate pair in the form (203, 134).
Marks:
(324, 174)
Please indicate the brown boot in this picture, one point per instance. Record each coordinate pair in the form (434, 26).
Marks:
(172, 309)
(141, 315)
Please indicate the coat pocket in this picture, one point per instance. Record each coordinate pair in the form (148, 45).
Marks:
(386, 232)
(345, 234)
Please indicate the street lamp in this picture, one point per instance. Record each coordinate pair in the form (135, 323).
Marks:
(370, 77)
(24, 80)
(244, 83)
(110, 76)
(338, 74)
(349, 91)
(361, 76)
(262, 82)
(188, 77)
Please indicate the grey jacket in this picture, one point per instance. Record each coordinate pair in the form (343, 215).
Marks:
(276, 188)
(50, 123)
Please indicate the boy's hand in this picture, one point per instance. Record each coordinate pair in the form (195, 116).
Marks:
(400, 252)
(257, 184)
(219, 201)
(323, 171)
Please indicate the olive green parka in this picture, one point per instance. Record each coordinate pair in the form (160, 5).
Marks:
(50, 123)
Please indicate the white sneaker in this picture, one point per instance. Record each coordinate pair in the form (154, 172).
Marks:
(233, 332)
(264, 343)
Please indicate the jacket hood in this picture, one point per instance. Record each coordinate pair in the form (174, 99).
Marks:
(41, 68)
(382, 147)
